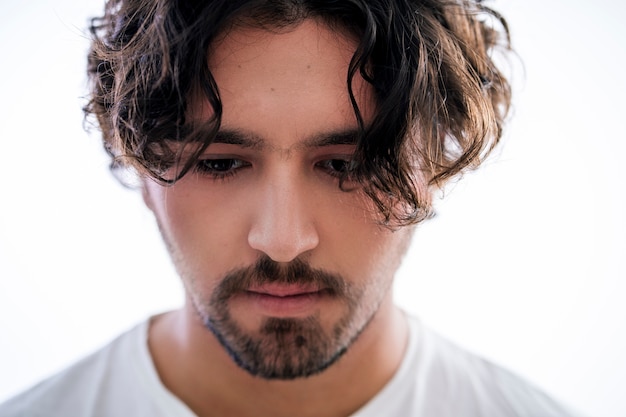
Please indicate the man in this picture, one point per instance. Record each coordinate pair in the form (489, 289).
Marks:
(287, 150)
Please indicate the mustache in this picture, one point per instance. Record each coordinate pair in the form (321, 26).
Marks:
(266, 271)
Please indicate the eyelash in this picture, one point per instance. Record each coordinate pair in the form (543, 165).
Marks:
(332, 171)
(233, 165)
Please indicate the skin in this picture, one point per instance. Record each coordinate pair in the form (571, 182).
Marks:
(280, 199)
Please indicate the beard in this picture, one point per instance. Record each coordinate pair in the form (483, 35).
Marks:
(285, 348)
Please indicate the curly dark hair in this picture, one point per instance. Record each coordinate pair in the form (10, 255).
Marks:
(441, 98)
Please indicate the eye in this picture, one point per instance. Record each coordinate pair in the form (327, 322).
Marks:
(336, 167)
(220, 168)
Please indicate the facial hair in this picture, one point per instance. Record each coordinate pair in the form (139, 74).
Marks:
(284, 348)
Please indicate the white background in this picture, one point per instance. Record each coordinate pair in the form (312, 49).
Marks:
(524, 264)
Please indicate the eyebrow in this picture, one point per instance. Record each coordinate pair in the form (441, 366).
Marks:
(237, 137)
(342, 137)
(256, 142)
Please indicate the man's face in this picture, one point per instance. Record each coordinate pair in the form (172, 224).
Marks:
(280, 264)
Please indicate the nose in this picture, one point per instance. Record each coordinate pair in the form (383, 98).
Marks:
(283, 225)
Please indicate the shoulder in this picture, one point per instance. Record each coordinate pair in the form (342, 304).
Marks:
(464, 384)
(82, 388)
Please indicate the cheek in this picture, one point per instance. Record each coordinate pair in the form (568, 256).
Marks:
(200, 227)
(364, 250)
(190, 210)
(381, 253)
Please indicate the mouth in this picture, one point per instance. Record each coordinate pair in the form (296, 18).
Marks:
(284, 290)
(286, 300)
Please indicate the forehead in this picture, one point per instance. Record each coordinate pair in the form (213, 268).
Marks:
(288, 81)
(310, 45)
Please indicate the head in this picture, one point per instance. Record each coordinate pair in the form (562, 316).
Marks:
(286, 149)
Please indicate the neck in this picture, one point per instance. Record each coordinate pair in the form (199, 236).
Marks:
(205, 378)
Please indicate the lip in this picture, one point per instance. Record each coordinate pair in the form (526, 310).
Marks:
(284, 290)
(285, 300)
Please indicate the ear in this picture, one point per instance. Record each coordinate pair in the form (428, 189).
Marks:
(145, 194)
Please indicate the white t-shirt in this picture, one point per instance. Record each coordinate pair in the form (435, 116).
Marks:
(435, 379)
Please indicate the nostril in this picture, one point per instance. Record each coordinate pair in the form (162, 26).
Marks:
(283, 244)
